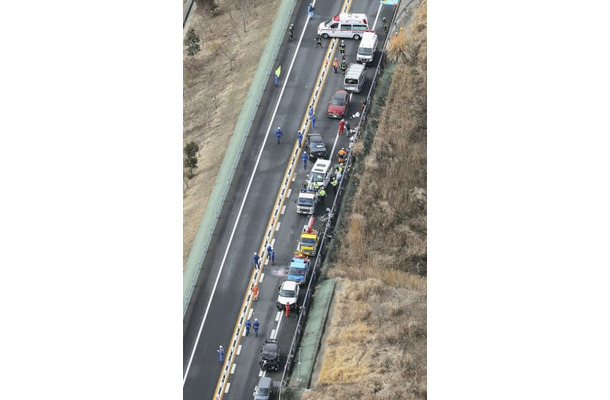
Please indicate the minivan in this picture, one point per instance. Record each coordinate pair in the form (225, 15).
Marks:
(366, 50)
(354, 78)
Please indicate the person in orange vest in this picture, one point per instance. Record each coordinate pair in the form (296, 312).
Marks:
(335, 65)
(255, 292)
(341, 155)
(287, 309)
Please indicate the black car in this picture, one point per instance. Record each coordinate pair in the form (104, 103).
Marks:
(270, 355)
(316, 146)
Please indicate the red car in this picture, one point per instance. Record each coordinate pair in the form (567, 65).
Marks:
(337, 106)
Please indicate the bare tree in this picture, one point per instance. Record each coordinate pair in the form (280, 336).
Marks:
(228, 50)
(244, 7)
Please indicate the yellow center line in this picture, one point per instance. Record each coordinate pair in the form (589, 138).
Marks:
(273, 219)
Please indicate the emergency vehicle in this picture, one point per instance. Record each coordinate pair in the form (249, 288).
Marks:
(308, 245)
(344, 26)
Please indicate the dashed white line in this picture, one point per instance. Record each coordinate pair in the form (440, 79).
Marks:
(289, 191)
(233, 368)
(250, 313)
(272, 336)
(283, 210)
(238, 350)
(260, 372)
(276, 330)
(277, 228)
(277, 316)
(261, 279)
(228, 386)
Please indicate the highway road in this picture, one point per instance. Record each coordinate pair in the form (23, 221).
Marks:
(227, 270)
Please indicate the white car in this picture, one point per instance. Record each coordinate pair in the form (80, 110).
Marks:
(289, 294)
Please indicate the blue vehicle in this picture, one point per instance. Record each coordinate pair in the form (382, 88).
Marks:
(299, 270)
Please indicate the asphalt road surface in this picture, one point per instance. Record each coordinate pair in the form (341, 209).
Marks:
(201, 367)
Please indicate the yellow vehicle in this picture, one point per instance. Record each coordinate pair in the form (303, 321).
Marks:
(308, 244)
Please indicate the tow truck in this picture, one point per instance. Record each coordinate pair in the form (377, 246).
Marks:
(308, 244)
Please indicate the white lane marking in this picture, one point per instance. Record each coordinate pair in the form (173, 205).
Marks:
(238, 349)
(243, 203)
(283, 210)
(260, 372)
(377, 16)
(243, 334)
(261, 278)
(277, 316)
(289, 191)
(277, 228)
(275, 331)
(233, 368)
(272, 242)
(294, 177)
(228, 386)
(250, 314)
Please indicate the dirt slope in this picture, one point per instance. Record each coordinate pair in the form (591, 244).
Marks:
(212, 95)
(377, 341)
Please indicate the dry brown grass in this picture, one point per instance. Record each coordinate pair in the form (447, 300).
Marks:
(215, 85)
(377, 340)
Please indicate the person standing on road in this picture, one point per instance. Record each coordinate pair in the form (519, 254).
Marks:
(255, 292)
(287, 310)
(256, 258)
(319, 41)
(248, 327)
(343, 65)
(347, 128)
(342, 48)
(341, 126)
(304, 158)
(341, 155)
(334, 183)
(310, 10)
(322, 195)
(221, 353)
(313, 120)
(269, 248)
(335, 64)
(299, 138)
(278, 134)
(255, 326)
(272, 256)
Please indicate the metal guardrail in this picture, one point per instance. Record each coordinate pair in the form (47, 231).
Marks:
(186, 11)
(328, 221)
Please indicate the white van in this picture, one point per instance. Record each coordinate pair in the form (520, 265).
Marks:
(366, 50)
(344, 26)
(354, 77)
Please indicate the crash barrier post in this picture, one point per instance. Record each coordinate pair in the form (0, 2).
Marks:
(230, 162)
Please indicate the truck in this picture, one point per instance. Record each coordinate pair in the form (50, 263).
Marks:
(308, 243)
(318, 179)
(299, 269)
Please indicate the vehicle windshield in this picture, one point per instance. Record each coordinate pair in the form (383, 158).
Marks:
(270, 351)
(317, 177)
(297, 271)
(308, 242)
(351, 81)
(365, 51)
(316, 145)
(305, 201)
(327, 23)
(262, 392)
(338, 100)
(287, 293)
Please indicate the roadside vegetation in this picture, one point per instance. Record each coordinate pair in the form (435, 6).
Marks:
(219, 65)
(376, 341)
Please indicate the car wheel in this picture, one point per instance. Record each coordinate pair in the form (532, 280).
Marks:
(325, 36)
(357, 37)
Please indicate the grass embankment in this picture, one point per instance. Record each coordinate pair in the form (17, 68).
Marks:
(215, 85)
(377, 339)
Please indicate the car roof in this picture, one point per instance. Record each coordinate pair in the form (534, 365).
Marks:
(315, 135)
(290, 285)
(340, 92)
